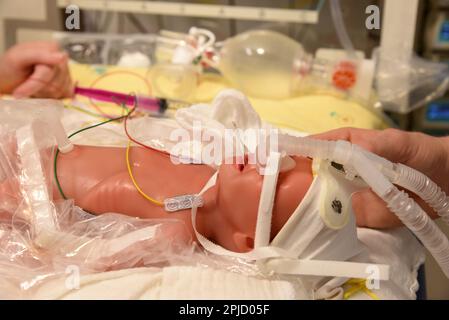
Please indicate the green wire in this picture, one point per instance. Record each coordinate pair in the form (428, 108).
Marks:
(73, 134)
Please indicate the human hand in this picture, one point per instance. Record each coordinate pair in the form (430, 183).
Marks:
(424, 153)
(35, 69)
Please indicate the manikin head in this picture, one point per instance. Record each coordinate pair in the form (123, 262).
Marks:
(230, 208)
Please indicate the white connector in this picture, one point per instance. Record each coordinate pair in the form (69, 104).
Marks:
(63, 142)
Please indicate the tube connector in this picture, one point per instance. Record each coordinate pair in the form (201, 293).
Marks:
(343, 152)
(53, 120)
(49, 112)
(370, 173)
(64, 143)
(66, 148)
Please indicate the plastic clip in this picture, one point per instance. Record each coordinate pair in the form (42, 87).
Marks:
(183, 202)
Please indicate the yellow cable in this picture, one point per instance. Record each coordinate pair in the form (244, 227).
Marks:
(371, 294)
(356, 286)
(143, 194)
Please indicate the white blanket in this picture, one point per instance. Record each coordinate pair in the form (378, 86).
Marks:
(167, 283)
(398, 248)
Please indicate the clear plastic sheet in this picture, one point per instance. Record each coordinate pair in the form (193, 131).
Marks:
(404, 84)
(43, 238)
(38, 233)
(94, 48)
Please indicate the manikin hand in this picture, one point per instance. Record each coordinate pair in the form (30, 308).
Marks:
(35, 69)
(424, 153)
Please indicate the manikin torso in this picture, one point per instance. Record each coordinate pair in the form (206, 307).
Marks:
(98, 180)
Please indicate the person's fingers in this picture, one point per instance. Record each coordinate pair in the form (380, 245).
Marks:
(55, 86)
(60, 86)
(336, 134)
(415, 150)
(35, 57)
(361, 137)
(68, 87)
(392, 144)
(38, 80)
(39, 45)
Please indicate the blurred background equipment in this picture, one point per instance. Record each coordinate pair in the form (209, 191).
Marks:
(433, 118)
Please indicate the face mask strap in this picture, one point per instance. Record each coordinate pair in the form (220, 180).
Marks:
(255, 254)
(266, 202)
(330, 268)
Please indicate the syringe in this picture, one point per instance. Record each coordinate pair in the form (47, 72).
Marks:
(150, 104)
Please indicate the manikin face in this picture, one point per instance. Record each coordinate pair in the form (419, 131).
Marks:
(237, 198)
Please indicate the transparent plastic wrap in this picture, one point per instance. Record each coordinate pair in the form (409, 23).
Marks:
(85, 244)
(404, 84)
(122, 50)
(83, 50)
(43, 238)
(134, 51)
(18, 113)
(176, 73)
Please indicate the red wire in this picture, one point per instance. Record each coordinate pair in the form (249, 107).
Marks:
(114, 73)
(138, 142)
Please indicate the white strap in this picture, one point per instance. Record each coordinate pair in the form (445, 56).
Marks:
(328, 268)
(266, 202)
(255, 254)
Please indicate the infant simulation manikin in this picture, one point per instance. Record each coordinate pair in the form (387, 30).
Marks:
(96, 177)
(308, 213)
(291, 214)
(312, 216)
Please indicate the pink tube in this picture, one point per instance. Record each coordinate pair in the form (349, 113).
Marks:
(147, 103)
